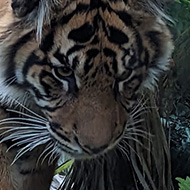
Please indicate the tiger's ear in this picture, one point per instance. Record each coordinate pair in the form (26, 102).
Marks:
(23, 7)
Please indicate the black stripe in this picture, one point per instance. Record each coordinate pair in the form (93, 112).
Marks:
(92, 53)
(140, 46)
(82, 34)
(110, 53)
(46, 86)
(75, 63)
(88, 65)
(54, 125)
(61, 57)
(132, 60)
(79, 9)
(28, 172)
(107, 69)
(60, 135)
(10, 71)
(33, 60)
(74, 49)
(94, 74)
(47, 42)
(127, 87)
(154, 39)
(147, 57)
(50, 109)
(125, 17)
(117, 36)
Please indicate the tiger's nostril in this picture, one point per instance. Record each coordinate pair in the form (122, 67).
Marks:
(54, 125)
(74, 127)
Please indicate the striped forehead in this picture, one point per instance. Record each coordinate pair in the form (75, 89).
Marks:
(96, 36)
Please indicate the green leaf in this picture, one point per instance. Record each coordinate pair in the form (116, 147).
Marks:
(184, 184)
(64, 166)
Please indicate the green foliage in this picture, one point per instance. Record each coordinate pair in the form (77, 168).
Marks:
(183, 1)
(184, 184)
(180, 12)
(65, 166)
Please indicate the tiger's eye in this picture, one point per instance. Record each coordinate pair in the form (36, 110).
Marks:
(62, 72)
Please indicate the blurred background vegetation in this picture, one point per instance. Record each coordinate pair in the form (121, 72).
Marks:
(180, 13)
(175, 94)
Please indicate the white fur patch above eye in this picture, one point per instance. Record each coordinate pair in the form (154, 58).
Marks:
(19, 75)
(55, 62)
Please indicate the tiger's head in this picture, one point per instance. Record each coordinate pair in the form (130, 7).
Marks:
(85, 73)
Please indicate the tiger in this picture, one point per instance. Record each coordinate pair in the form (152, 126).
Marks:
(70, 74)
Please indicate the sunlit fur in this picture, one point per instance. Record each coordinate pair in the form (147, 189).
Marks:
(71, 71)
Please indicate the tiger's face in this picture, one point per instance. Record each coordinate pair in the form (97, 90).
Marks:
(86, 72)
(82, 106)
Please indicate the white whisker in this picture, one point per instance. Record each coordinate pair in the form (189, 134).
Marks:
(47, 155)
(23, 129)
(42, 140)
(137, 111)
(48, 147)
(30, 116)
(23, 132)
(137, 135)
(20, 123)
(9, 81)
(134, 122)
(135, 140)
(29, 110)
(21, 152)
(126, 143)
(53, 152)
(30, 147)
(26, 132)
(36, 127)
(123, 150)
(21, 119)
(137, 115)
(25, 114)
(135, 129)
(14, 137)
